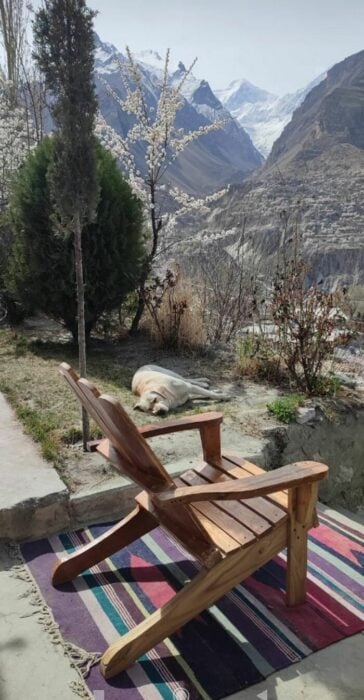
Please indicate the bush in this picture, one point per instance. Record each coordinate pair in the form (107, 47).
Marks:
(310, 323)
(285, 408)
(41, 269)
(227, 289)
(11, 310)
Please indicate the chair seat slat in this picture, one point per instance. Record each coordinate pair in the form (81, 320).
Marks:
(226, 532)
(261, 505)
(240, 515)
(240, 468)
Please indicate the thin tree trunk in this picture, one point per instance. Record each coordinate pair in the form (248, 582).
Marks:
(11, 30)
(139, 311)
(156, 227)
(81, 319)
(141, 303)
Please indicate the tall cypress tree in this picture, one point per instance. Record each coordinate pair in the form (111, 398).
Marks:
(63, 36)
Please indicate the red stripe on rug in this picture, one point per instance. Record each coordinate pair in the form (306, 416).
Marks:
(338, 543)
(344, 527)
(319, 622)
(158, 592)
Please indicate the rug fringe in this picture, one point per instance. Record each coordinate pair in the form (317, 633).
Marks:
(79, 658)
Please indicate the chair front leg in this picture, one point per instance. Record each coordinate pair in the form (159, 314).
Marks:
(205, 589)
(302, 514)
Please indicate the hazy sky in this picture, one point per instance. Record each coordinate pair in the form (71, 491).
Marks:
(280, 45)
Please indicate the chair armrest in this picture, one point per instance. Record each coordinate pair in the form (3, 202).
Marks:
(291, 476)
(175, 426)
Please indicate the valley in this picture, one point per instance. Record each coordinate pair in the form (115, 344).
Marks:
(312, 139)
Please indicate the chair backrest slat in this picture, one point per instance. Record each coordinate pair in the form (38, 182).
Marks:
(139, 462)
(143, 465)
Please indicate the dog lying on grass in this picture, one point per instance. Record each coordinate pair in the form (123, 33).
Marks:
(161, 390)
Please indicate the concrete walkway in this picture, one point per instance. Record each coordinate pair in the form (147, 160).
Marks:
(31, 666)
(32, 496)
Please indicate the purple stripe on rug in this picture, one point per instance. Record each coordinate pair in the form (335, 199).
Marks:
(76, 624)
(338, 575)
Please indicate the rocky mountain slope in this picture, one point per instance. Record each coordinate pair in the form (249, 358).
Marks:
(315, 174)
(332, 113)
(262, 114)
(216, 159)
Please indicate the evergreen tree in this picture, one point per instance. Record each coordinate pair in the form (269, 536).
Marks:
(63, 36)
(41, 269)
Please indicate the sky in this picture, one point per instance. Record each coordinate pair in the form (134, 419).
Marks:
(279, 45)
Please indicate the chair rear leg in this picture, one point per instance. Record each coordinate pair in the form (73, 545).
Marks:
(133, 526)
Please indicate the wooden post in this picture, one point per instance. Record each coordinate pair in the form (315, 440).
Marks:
(211, 443)
(301, 502)
(81, 319)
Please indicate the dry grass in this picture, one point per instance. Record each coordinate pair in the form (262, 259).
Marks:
(46, 406)
(42, 400)
(266, 366)
(178, 329)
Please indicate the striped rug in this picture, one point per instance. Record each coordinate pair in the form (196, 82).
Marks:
(240, 641)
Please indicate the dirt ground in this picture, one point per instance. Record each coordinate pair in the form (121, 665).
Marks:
(29, 378)
(245, 414)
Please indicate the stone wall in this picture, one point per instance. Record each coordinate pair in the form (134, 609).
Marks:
(335, 436)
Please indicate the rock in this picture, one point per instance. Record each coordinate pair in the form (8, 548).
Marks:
(306, 414)
(346, 380)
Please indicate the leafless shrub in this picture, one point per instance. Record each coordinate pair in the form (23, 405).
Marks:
(227, 289)
(310, 322)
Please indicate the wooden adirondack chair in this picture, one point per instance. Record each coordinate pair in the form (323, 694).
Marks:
(228, 513)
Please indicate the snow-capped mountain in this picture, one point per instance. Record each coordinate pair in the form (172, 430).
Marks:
(221, 157)
(240, 92)
(262, 114)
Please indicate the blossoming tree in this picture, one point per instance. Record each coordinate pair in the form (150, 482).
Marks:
(155, 132)
(22, 98)
(13, 141)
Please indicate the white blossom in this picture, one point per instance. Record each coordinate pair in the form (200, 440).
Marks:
(17, 137)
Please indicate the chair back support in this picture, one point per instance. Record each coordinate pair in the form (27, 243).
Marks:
(140, 463)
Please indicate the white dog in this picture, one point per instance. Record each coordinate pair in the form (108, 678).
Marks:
(161, 390)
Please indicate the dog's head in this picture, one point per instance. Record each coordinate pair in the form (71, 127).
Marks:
(152, 402)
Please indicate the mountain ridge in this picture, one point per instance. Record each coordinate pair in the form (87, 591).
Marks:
(331, 113)
(315, 176)
(261, 113)
(209, 163)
